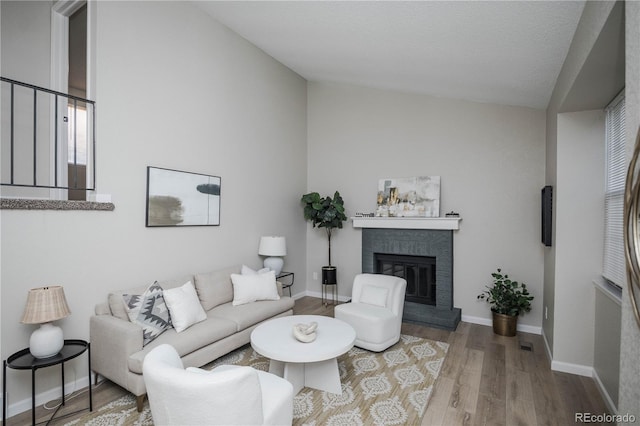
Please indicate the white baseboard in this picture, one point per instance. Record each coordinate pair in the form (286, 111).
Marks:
(46, 396)
(605, 395)
(487, 321)
(547, 347)
(581, 370)
(567, 367)
(318, 295)
(299, 295)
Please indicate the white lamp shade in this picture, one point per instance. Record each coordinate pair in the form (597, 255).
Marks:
(45, 304)
(272, 246)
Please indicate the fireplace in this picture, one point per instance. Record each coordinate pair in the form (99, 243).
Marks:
(410, 244)
(418, 271)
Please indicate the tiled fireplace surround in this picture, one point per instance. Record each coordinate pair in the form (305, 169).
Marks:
(418, 242)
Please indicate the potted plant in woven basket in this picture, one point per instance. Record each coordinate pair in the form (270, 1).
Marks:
(508, 299)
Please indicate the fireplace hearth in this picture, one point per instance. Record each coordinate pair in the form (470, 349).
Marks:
(417, 243)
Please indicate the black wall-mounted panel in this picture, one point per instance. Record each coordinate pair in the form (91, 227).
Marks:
(547, 208)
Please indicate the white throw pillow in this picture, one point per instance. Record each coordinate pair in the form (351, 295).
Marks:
(250, 288)
(184, 306)
(374, 295)
(248, 271)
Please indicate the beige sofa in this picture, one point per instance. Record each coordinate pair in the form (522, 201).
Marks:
(116, 343)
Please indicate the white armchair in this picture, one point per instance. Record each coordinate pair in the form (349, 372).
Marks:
(226, 395)
(375, 310)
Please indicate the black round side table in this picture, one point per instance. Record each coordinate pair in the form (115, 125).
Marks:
(23, 360)
(285, 286)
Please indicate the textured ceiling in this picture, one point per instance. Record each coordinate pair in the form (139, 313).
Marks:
(505, 52)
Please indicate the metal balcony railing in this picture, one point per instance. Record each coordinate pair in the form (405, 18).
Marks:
(47, 138)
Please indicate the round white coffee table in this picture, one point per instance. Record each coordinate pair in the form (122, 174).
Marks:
(312, 364)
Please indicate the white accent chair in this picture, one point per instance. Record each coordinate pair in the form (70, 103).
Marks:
(226, 395)
(375, 310)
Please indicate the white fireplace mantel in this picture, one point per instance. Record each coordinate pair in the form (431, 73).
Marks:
(444, 223)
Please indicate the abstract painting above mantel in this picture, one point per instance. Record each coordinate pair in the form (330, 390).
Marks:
(177, 198)
(409, 197)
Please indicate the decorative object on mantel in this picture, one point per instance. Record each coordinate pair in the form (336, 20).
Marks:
(508, 299)
(409, 197)
(45, 305)
(327, 213)
(305, 333)
(358, 214)
(452, 214)
(274, 248)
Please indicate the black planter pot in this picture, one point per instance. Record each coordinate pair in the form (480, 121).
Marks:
(329, 275)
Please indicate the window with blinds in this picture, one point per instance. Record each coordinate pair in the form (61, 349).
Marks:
(616, 169)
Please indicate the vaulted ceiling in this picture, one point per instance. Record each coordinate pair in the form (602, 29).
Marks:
(505, 52)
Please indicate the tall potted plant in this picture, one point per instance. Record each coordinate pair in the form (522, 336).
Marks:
(327, 213)
(508, 299)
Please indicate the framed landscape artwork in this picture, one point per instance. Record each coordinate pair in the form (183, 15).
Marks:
(176, 198)
(409, 197)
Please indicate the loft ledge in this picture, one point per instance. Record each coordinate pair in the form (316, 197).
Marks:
(445, 223)
(30, 204)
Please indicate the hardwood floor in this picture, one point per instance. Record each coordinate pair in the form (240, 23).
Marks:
(490, 380)
(486, 380)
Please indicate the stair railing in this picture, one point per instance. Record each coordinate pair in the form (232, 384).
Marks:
(23, 107)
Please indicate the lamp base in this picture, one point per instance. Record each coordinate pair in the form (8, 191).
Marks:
(274, 263)
(46, 341)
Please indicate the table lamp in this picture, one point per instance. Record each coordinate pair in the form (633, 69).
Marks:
(44, 305)
(274, 248)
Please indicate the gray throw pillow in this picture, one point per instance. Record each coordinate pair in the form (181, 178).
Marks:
(148, 310)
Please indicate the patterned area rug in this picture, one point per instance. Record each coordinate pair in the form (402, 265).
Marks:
(388, 388)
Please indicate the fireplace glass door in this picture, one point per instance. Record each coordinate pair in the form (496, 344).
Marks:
(418, 271)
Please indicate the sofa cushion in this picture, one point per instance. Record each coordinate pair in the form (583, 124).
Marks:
(215, 288)
(184, 306)
(374, 295)
(250, 288)
(245, 316)
(116, 304)
(195, 337)
(149, 311)
(373, 324)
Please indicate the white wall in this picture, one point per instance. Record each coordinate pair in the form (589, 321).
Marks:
(575, 347)
(490, 159)
(177, 90)
(33, 21)
(606, 354)
(579, 205)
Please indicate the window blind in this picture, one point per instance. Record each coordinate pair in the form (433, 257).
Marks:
(616, 169)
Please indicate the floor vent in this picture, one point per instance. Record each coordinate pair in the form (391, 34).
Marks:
(526, 346)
